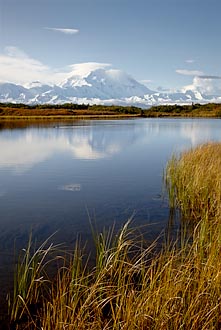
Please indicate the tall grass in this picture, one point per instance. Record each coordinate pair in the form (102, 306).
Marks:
(194, 182)
(131, 286)
(29, 280)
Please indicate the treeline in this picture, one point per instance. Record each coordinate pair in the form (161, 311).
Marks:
(71, 106)
(193, 110)
(213, 109)
(74, 106)
(117, 109)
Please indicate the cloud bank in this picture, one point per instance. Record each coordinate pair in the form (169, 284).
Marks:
(205, 84)
(208, 86)
(17, 67)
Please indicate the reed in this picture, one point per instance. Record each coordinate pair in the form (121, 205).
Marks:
(193, 181)
(131, 287)
(132, 284)
(29, 280)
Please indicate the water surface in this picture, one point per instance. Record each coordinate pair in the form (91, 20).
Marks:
(54, 178)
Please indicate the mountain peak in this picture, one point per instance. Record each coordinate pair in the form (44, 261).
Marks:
(104, 84)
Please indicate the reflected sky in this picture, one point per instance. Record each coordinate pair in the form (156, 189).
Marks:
(22, 149)
(28, 147)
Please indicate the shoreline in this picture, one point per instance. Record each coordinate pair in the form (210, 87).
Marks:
(65, 117)
(69, 111)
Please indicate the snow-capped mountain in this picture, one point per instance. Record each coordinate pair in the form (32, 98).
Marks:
(99, 86)
(104, 84)
(13, 93)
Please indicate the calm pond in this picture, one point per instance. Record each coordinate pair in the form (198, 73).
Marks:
(55, 177)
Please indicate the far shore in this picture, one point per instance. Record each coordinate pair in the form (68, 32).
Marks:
(70, 112)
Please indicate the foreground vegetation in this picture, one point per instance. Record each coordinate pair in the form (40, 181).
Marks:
(74, 111)
(134, 286)
(194, 182)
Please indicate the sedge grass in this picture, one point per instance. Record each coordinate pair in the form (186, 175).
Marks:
(134, 287)
(194, 182)
(178, 288)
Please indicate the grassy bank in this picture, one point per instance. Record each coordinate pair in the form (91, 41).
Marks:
(69, 111)
(64, 112)
(133, 285)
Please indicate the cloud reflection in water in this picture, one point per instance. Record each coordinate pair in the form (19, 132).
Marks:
(22, 149)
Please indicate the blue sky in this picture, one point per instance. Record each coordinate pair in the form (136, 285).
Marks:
(164, 43)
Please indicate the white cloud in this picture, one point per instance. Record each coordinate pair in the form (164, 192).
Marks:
(15, 52)
(83, 69)
(17, 67)
(64, 30)
(190, 61)
(146, 81)
(189, 72)
(204, 85)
